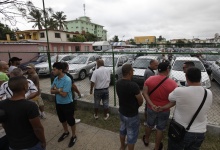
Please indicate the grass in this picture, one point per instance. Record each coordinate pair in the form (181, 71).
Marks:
(86, 115)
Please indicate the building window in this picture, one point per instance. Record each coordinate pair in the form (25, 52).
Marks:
(77, 27)
(57, 35)
(68, 36)
(42, 35)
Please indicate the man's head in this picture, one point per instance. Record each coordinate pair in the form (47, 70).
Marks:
(100, 63)
(164, 68)
(127, 71)
(153, 64)
(14, 61)
(18, 84)
(57, 68)
(193, 75)
(16, 73)
(31, 69)
(65, 66)
(3, 66)
(187, 65)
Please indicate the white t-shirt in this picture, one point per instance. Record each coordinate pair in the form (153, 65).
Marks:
(5, 92)
(11, 68)
(101, 78)
(188, 100)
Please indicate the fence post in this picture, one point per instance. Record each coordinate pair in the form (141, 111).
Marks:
(113, 56)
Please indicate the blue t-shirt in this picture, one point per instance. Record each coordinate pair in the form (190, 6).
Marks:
(65, 84)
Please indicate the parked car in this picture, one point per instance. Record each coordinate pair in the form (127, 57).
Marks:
(177, 74)
(43, 68)
(80, 65)
(140, 65)
(215, 74)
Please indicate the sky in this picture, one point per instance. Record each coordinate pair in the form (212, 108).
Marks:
(171, 19)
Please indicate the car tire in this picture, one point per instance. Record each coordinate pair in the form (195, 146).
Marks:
(211, 77)
(82, 74)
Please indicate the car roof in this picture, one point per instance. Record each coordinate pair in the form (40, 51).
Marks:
(187, 58)
(114, 55)
(147, 57)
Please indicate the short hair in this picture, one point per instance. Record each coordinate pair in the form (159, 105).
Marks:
(17, 72)
(152, 61)
(193, 74)
(58, 65)
(100, 62)
(65, 65)
(16, 84)
(189, 64)
(126, 68)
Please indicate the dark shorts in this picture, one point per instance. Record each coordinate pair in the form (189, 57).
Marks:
(65, 113)
(101, 95)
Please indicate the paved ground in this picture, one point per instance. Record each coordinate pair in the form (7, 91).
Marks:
(88, 137)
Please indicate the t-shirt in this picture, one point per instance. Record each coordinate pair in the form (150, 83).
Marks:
(160, 96)
(101, 78)
(11, 68)
(3, 77)
(128, 103)
(18, 129)
(188, 100)
(65, 84)
(148, 72)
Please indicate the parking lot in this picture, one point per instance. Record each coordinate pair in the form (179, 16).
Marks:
(84, 88)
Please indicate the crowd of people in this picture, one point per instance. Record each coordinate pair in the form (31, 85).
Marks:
(21, 100)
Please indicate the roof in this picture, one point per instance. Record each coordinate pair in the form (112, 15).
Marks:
(188, 58)
(118, 43)
(147, 57)
(100, 43)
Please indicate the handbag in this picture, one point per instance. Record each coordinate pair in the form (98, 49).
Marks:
(176, 131)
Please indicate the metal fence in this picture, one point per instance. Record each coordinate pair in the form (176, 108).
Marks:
(207, 61)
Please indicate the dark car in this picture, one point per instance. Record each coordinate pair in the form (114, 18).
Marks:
(36, 60)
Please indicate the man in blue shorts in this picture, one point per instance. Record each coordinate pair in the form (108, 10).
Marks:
(130, 99)
(61, 87)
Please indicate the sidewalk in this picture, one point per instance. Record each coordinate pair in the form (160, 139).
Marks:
(88, 137)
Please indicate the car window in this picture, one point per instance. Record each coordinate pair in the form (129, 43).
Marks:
(108, 61)
(79, 60)
(66, 58)
(125, 59)
(178, 65)
(211, 57)
(92, 58)
(141, 63)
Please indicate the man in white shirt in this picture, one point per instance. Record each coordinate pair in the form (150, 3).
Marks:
(188, 100)
(100, 80)
(14, 62)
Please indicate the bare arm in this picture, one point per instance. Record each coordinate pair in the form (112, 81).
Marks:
(147, 98)
(167, 106)
(58, 91)
(38, 130)
(33, 95)
(139, 99)
(91, 87)
(75, 89)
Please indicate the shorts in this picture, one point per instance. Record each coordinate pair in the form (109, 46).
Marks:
(38, 100)
(65, 113)
(130, 126)
(159, 119)
(102, 94)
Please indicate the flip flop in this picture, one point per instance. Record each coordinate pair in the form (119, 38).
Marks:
(145, 143)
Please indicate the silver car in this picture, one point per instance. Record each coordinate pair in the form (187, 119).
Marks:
(215, 74)
(80, 65)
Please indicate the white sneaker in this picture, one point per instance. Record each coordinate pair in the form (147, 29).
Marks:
(77, 120)
(107, 115)
(43, 116)
(96, 117)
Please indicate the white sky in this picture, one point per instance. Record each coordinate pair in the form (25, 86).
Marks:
(170, 18)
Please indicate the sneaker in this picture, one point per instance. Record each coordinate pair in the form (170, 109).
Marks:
(63, 136)
(77, 120)
(96, 117)
(72, 141)
(107, 115)
(43, 116)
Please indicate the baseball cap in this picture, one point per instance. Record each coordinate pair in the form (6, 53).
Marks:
(31, 66)
(15, 59)
(163, 66)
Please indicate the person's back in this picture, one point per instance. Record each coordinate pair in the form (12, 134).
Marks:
(102, 76)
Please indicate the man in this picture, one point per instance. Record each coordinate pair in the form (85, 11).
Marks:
(22, 126)
(3, 71)
(130, 99)
(150, 70)
(74, 87)
(14, 62)
(5, 91)
(61, 87)
(100, 80)
(188, 100)
(187, 65)
(33, 76)
(157, 99)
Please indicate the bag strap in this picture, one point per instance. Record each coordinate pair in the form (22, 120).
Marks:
(157, 86)
(198, 110)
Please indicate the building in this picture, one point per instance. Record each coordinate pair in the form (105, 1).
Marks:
(145, 39)
(84, 24)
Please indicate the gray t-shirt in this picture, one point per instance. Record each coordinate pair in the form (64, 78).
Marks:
(148, 72)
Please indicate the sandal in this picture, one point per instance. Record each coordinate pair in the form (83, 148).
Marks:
(145, 143)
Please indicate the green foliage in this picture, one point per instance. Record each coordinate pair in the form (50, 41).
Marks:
(132, 42)
(60, 19)
(90, 37)
(4, 29)
(115, 39)
(77, 38)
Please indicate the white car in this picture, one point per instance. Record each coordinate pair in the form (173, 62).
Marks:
(43, 68)
(177, 74)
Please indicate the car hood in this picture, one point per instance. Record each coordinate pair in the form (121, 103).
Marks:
(76, 66)
(41, 65)
(138, 72)
(180, 76)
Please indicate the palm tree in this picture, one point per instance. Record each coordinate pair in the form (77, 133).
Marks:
(36, 16)
(52, 24)
(60, 18)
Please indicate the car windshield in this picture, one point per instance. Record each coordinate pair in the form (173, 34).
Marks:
(108, 61)
(141, 63)
(41, 58)
(54, 58)
(178, 65)
(79, 60)
(212, 57)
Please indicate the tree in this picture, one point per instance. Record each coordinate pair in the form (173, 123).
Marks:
(4, 29)
(115, 39)
(90, 37)
(160, 38)
(60, 18)
(77, 38)
(37, 18)
(131, 41)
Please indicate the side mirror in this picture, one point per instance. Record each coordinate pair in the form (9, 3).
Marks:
(89, 62)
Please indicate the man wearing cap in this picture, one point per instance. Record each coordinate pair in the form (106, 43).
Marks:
(33, 76)
(157, 99)
(14, 62)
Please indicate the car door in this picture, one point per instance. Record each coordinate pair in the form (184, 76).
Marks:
(90, 63)
(217, 71)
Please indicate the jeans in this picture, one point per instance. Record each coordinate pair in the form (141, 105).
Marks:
(191, 141)
(130, 126)
(35, 147)
(101, 95)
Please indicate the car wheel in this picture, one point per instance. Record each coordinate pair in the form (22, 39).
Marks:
(211, 77)
(82, 74)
